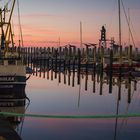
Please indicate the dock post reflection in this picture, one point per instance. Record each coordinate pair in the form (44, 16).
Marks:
(116, 120)
(119, 85)
(86, 75)
(135, 85)
(33, 61)
(101, 83)
(101, 73)
(69, 64)
(40, 61)
(94, 69)
(79, 67)
(129, 88)
(110, 71)
(73, 69)
(117, 110)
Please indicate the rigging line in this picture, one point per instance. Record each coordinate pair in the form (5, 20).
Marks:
(111, 17)
(20, 29)
(127, 20)
(79, 96)
(134, 31)
(6, 5)
(117, 110)
(126, 112)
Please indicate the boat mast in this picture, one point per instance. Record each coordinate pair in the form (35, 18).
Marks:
(5, 25)
(119, 14)
(81, 35)
(128, 26)
(9, 23)
(120, 32)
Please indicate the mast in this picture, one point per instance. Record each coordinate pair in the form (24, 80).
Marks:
(81, 35)
(9, 22)
(19, 21)
(5, 25)
(119, 14)
(128, 26)
(120, 32)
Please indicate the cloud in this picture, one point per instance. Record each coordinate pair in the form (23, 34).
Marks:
(39, 15)
(36, 29)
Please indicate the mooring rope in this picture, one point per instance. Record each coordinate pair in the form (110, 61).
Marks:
(69, 116)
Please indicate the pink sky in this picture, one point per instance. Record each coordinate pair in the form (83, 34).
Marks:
(44, 24)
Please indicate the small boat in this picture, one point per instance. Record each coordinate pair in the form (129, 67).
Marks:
(125, 66)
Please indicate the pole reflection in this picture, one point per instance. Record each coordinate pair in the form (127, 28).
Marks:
(76, 72)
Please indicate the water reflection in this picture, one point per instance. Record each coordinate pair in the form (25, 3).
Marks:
(11, 126)
(76, 90)
(73, 77)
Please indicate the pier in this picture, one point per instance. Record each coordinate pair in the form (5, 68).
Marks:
(70, 64)
(70, 57)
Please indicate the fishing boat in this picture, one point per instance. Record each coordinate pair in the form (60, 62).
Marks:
(12, 68)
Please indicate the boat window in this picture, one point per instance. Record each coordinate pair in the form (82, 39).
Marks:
(11, 62)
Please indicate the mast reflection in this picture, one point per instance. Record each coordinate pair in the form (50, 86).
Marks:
(75, 75)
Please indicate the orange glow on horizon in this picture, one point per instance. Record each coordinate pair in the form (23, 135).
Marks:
(44, 28)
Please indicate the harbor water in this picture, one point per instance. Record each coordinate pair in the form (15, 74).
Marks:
(59, 94)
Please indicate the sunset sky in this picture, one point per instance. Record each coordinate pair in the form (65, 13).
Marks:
(44, 21)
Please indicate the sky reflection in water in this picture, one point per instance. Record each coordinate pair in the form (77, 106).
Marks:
(56, 98)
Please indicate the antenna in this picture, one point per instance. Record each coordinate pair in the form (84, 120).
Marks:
(81, 35)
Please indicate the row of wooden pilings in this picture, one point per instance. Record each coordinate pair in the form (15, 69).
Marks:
(73, 55)
(71, 60)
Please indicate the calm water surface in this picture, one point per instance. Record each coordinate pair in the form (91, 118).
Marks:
(63, 96)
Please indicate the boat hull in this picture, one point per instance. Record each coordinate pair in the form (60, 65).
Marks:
(12, 86)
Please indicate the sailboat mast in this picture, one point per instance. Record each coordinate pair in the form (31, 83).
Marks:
(120, 32)
(128, 26)
(119, 14)
(81, 35)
